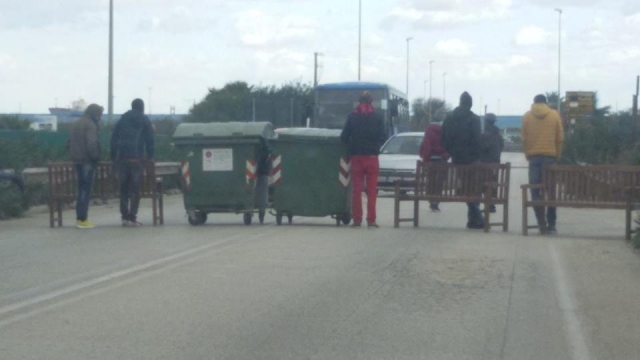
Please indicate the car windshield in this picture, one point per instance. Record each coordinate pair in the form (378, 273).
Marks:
(403, 145)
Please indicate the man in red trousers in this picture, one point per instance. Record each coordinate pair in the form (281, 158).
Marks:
(364, 134)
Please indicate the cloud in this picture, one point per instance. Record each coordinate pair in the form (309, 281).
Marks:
(517, 60)
(179, 20)
(532, 35)
(444, 13)
(258, 29)
(453, 47)
(626, 54)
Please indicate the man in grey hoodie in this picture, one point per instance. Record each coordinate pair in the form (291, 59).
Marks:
(84, 150)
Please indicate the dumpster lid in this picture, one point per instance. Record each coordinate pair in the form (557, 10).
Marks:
(308, 134)
(224, 130)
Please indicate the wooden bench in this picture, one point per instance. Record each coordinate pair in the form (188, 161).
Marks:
(593, 187)
(63, 188)
(443, 182)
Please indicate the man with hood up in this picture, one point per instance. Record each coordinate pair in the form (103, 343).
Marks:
(542, 136)
(84, 150)
(364, 134)
(461, 138)
(432, 150)
(491, 145)
(131, 138)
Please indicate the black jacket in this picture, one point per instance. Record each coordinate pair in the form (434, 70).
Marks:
(491, 144)
(364, 133)
(132, 135)
(461, 136)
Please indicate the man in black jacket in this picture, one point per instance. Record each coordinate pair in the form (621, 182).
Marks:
(132, 136)
(461, 138)
(364, 134)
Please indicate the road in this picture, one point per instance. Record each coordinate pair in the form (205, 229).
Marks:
(315, 291)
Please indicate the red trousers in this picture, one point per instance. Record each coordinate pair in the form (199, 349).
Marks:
(364, 167)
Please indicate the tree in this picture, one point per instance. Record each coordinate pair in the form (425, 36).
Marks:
(287, 105)
(420, 108)
(13, 122)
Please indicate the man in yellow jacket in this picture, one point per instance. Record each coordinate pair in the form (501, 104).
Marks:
(542, 137)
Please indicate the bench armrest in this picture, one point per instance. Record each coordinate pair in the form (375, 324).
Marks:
(532, 186)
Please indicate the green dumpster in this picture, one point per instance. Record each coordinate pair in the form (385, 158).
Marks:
(310, 175)
(225, 168)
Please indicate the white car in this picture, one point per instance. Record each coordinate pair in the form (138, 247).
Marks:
(398, 158)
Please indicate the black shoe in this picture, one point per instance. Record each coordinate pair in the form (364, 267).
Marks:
(434, 207)
(551, 230)
(475, 226)
(492, 209)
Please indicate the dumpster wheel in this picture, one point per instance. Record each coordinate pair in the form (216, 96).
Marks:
(279, 218)
(346, 219)
(248, 217)
(261, 214)
(199, 218)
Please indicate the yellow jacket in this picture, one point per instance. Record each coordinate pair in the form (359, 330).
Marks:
(542, 132)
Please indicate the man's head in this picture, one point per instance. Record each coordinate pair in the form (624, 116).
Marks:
(365, 98)
(466, 100)
(439, 116)
(138, 105)
(490, 118)
(540, 99)
(94, 111)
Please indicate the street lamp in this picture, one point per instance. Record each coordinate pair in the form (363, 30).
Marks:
(110, 86)
(430, 88)
(444, 87)
(408, 39)
(425, 88)
(359, 36)
(559, 53)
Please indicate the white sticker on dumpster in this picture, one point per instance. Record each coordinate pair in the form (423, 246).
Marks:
(217, 160)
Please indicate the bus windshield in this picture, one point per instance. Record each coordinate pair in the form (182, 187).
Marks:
(333, 106)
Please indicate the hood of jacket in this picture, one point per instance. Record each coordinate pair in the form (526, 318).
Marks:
(461, 113)
(94, 112)
(540, 111)
(134, 117)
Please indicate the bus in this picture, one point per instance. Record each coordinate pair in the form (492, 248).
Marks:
(334, 102)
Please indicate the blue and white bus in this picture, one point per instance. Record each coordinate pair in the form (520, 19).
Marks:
(334, 102)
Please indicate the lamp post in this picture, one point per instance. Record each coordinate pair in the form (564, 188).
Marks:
(110, 86)
(559, 54)
(444, 87)
(425, 88)
(408, 39)
(430, 88)
(359, 36)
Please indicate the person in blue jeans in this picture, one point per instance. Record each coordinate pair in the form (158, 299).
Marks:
(542, 136)
(84, 150)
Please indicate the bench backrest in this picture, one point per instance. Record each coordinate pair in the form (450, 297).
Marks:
(461, 182)
(601, 184)
(63, 184)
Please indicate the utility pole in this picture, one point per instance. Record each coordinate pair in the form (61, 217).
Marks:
(315, 68)
(559, 57)
(110, 100)
(291, 112)
(149, 101)
(254, 110)
(430, 89)
(359, 36)
(408, 39)
(425, 89)
(634, 121)
(444, 88)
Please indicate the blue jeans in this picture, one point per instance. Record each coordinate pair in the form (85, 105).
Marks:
(84, 174)
(535, 177)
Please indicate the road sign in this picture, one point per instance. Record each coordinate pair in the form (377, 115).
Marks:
(579, 104)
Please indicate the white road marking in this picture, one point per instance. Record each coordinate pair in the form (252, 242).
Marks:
(579, 349)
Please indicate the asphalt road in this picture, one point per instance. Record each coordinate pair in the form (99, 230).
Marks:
(315, 291)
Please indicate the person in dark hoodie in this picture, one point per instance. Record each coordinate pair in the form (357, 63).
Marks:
(491, 144)
(364, 134)
(131, 138)
(461, 138)
(432, 150)
(84, 150)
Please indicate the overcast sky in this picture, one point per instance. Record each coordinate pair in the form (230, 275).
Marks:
(501, 51)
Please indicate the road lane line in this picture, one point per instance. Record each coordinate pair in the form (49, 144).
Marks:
(121, 273)
(575, 336)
